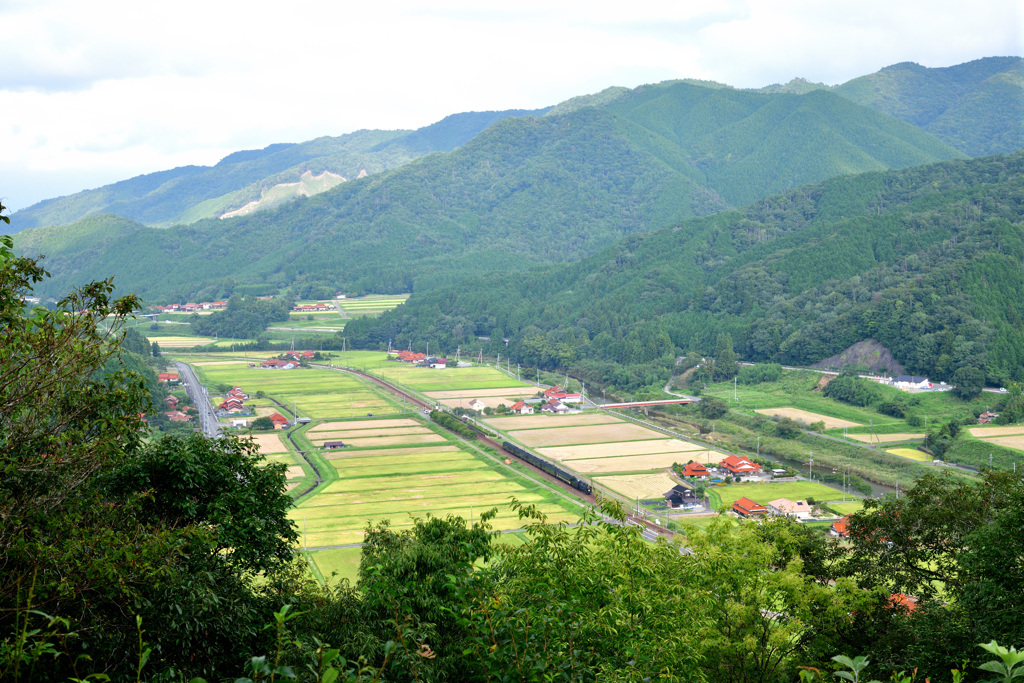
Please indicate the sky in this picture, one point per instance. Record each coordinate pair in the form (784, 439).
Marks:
(92, 93)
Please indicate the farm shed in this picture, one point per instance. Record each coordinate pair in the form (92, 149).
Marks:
(332, 445)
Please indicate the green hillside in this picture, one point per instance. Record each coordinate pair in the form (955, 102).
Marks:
(925, 260)
(976, 107)
(190, 193)
(528, 190)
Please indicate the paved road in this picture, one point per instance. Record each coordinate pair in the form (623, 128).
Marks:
(197, 392)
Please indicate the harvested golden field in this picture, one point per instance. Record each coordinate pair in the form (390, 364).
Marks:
(986, 432)
(546, 421)
(355, 453)
(638, 485)
(357, 433)
(622, 431)
(395, 440)
(1015, 442)
(807, 417)
(269, 443)
(630, 463)
(519, 392)
(911, 453)
(294, 472)
(363, 424)
(615, 450)
(885, 438)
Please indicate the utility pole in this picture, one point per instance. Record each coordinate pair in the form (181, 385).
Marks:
(734, 397)
(810, 469)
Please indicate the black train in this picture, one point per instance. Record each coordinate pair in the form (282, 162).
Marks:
(544, 465)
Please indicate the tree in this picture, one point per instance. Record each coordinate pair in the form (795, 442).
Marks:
(787, 428)
(263, 423)
(155, 350)
(726, 366)
(968, 383)
(712, 408)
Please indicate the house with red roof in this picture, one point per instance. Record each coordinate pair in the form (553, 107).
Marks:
(521, 408)
(553, 391)
(748, 508)
(695, 469)
(279, 420)
(903, 601)
(840, 529)
(277, 364)
(169, 377)
(738, 465)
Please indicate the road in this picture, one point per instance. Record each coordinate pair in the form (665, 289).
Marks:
(197, 392)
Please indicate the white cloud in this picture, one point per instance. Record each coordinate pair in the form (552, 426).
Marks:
(117, 88)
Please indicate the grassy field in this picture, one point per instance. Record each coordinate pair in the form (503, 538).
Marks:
(765, 493)
(316, 393)
(178, 341)
(845, 508)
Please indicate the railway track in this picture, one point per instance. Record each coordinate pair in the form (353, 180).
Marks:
(649, 530)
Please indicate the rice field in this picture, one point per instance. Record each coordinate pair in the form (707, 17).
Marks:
(180, 342)
(807, 417)
(314, 392)
(885, 438)
(270, 444)
(630, 463)
(911, 453)
(373, 304)
(447, 379)
(614, 450)
(638, 485)
(621, 431)
(846, 508)
(988, 432)
(548, 421)
(501, 392)
(1016, 442)
(375, 482)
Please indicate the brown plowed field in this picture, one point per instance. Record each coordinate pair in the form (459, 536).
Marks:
(807, 417)
(363, 424)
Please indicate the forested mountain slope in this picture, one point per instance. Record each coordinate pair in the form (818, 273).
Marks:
(929, 261)
(527, 190)
(976, 107)
(189, 193)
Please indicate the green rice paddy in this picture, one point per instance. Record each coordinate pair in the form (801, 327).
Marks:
(447, 379)
(765, 493)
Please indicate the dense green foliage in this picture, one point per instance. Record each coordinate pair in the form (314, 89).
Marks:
(527, 190)
(925, 260)
(189, 193)
(244, 318)
(976, 107)
(453, 424)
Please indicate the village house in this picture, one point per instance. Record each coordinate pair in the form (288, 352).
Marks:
(784, 507)
(477, 404)
(177, 416)
(987, 417)
(276, 364)
(840, 529)
(748, 508)
(695, 470)
(738, 465)
(171, 400)
(681, 497)
(554, 406)
(521, 408)
(279, 420)
(169, 377)
(241, 422)
(301, 355)
(333, 445)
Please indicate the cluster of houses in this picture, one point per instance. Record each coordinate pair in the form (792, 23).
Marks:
(312, 308)
(420, 359)
(168, 377)
(739, 467)
(292, 359)
(799, 510)
(234, 403)
(191, 307)
(173, 414)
